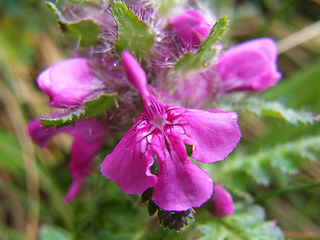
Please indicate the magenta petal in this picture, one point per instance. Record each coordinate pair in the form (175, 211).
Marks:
(73, 190)
(82, 155)
(89, 136)
(250, 66)
(68, 82)
(41, 134)
(90, 129)
(214, 134)
(191, 28)
(135, 73)
(81, 164)
(265, 46)
(128, 165)
(222, 202)
(181, 184)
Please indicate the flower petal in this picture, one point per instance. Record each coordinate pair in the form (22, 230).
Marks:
(135, 74)
(197, 88)
(181, 184)
(73, 190)
(213, 134)
(250, 66)
(222, 202)
(89, 136)
(191, 28)
(82, 155)
(68, 82)
(128, 165)
(41, 134)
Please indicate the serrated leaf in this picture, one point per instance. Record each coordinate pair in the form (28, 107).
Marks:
(259, 164)
(271, 109)
(205, 52)
(278, 110)
(134, 35)
(247, 223)
(56, 11)
(275, 109)
(86, 30)
(259, 173)
(53, 233)
(100, 105)
(91, 108)
(284, 164)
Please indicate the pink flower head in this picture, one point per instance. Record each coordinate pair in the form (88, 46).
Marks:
(89, 136)
(162, 131)
(222, 202)
(250, 66)
(69, 82)
(191, 28)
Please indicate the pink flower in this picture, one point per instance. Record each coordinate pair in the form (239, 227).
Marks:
(222, 202)
(162, 131)
(191, 28)
(89, 136)
(69, 82)
(250, 66)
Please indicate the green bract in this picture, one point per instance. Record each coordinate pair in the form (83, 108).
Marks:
(205, 52)
(134, 35)
(86, 30)
(92, 108)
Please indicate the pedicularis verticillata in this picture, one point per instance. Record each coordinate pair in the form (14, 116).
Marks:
(177, 63)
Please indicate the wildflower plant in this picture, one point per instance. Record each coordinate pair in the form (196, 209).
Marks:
(161, 81)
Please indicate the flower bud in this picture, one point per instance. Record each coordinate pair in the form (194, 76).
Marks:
(191, 28)
(222, 202)
(250, 66)
(69, 82)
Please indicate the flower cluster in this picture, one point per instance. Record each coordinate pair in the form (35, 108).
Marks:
(163, 130)
(152, 154)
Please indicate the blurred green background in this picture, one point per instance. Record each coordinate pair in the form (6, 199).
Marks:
(33, 181)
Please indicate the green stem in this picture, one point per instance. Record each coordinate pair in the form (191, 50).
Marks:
(265, 196)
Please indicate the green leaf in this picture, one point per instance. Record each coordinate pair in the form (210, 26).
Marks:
(91, 108)
(205, 52)
(84, 29)
(300, 90)
(271, 109)
(278, 110)
(134, 35)
(247, 223)
(285, 164)
(259, 173)
(53, 233)
(284, 156)
(56, 11)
